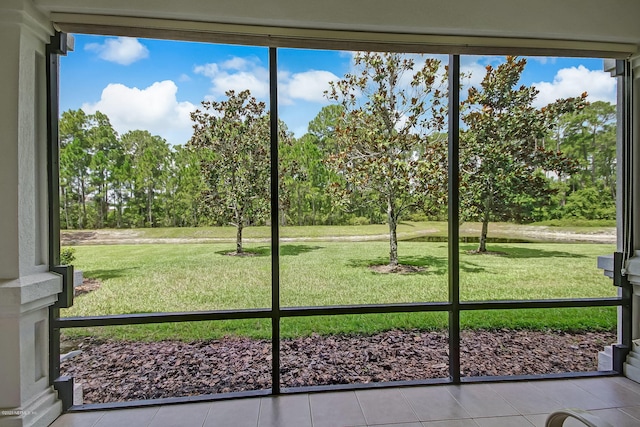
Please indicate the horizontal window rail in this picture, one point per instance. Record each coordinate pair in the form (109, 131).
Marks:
(266, 313)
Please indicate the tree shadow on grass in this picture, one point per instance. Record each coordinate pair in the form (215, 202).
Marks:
(285, 250)
(521, 252)
(108, 274)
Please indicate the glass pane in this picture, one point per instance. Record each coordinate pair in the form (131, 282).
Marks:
(535, 341)
(364, 220)
(137, 362)
(165, 175)
(362, 349)
(538, 177)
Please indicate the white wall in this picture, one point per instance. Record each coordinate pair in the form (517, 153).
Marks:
(593, 20)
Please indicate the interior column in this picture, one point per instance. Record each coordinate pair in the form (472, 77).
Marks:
(27, 289)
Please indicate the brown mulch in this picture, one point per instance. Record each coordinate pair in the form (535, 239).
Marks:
(397, 269)
(88, 285)
(477, 252)
(120, 370)
(241, 254)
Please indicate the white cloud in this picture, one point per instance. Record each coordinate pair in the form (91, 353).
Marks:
(154, 108)
(474, 73)
(121, 50)
(543, 59)
(236, 74)
(570, 82)
(307, 86)
(247, 73)
(240, 64)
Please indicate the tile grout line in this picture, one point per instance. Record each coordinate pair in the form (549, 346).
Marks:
(505, 401)
(310, 411)
(366, 421)
(98, 420)
(204, 421)
(259, 412)
(505, 416)
(410, 405)
(154, 415)
(607, 406)
(460, 403)
(359, 406)
(621, 409)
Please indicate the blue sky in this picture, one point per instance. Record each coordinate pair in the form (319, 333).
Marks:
(154, 84)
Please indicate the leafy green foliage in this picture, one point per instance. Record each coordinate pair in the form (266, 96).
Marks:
(378, 154)
(504, 161)
(588, 203)
(387, 151)
(148, 160)
(67, 256)
(232, 138)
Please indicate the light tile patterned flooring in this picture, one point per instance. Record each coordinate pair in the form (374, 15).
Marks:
(522, 404)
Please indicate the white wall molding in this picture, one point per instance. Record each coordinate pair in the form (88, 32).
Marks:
(27, 289)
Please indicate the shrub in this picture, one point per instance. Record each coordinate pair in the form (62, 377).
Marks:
(589, 203)
(359, 220)
(67, 256)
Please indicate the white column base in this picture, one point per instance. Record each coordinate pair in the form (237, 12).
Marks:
(632, 365)
(78, 394)
(41, 411)
(605, 359)
(26, 398)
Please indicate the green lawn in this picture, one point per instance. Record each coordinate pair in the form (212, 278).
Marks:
(191, 277)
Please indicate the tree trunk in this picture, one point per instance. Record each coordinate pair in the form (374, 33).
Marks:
(299, 205)
(150, 206)
(482, 247)
(594, 147)
(393, 238)
(563, 194)
(239, 237)
(483, 235)
(83, 222)
(65, 207)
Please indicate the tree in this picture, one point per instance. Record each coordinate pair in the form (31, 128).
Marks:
(323, 127)
(504, 163)
(74, 168)
(233, 139)
(88, 153)
(307, 180)
(149, 157)
(184, 186)
(105, 156)
(386, 147)
(590, 138)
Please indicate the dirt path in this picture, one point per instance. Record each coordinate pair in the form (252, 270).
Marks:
(537, 234)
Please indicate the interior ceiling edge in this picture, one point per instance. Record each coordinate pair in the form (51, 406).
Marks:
(198, 31)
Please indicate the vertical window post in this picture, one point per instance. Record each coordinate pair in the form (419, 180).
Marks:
(275, 222)
(454, 216)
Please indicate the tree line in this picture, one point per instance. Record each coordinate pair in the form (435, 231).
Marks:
(378, 157)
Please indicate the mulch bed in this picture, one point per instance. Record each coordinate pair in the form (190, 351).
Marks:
(88, 285)
(119, 370)
(397, 269)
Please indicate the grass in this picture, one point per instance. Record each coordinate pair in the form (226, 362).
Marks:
(192, 277)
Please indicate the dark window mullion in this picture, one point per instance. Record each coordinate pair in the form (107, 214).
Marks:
(454, 216)
(275, 223)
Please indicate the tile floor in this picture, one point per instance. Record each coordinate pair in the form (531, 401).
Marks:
(613, 399)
